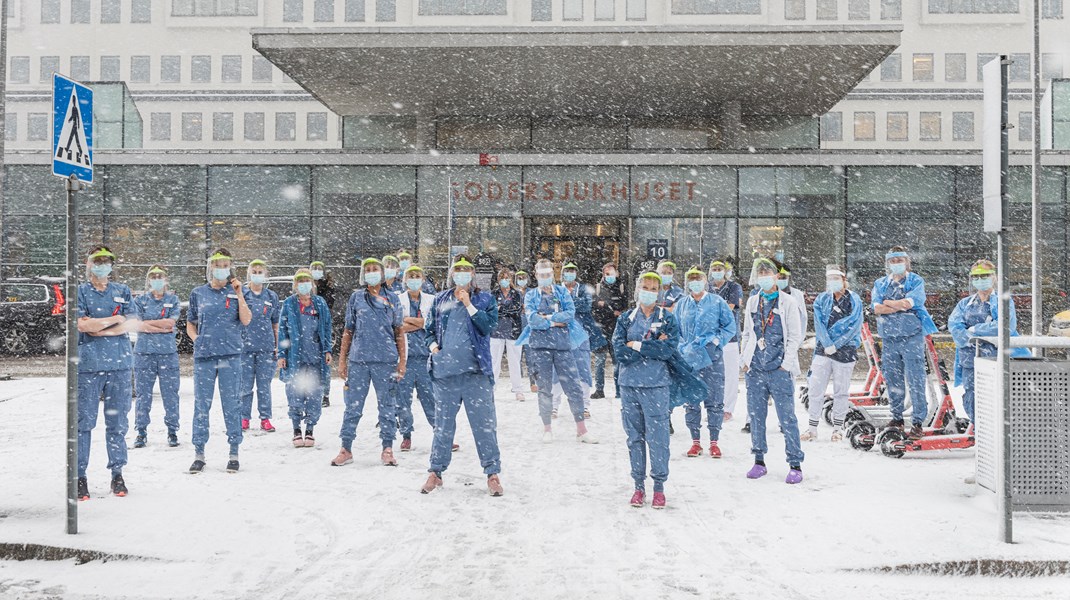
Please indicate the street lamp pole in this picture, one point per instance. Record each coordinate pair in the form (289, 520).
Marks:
(1038, 297)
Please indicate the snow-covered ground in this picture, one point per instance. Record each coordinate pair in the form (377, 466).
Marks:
(291, 526)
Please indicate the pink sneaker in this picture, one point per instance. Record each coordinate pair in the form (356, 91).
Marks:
(494, 486)
(245, 424)
(265, 424)
(433, 483)
(344, 458)
(388, 457)
(638, 499)
(659, 500)
(310, 442)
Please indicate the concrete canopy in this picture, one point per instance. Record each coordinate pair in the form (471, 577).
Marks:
(572, 71)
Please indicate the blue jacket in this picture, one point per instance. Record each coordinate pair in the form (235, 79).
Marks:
(847, 332)
(706, 326)
(685, 386)
(914, 286)
(962, 332)
(577, 335)
(583, 301)
(290, 333)
(480, 325)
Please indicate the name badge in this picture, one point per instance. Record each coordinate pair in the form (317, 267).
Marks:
(837, 309)
(761, 344)
(267, 304)
(168, 305)
(656, 325)
(235, 296)
(119, 299)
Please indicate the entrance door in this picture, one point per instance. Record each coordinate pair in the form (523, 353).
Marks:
(587, 244)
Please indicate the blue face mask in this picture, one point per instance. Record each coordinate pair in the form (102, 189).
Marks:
(611, 279)
(982, 283)
(258, 278)
(569, 277)
(717, 275)
(391, 273)
(101, 270)
(414, 284)
(304, 288)
(462, 278)
(522, 283)
(696, 286)
(766, 282)
(666, 279)
(373, 278)
(221, 274)
(405, 264)
(647, 297)
(897, 268)
(782, 284)
(504, 284)
(157, 285)
(317, 274)
(834, 285)
(544, 282)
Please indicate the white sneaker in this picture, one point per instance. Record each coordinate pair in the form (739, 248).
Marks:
(837, 436)
(586, 438)
(547, 437)
(808, 436)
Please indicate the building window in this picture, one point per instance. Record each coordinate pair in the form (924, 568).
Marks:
(20, 69)
(141, 11)
(213, 8)
(201, 69)
(929, 125)
(191, 127)
(955, 67)
(635, 10)
(11, 127)
(463, 7)
(111, 11)
(323, 11)
(827, 10)
(541, 10)
(717, 7)
(293, 11)
(982, 60)
(1051, 66)
(49, 65)
(1051, 9)
(354, 10)
(1025, 126)
(386, 10)
(832, 127)
(603, 10)
(285, 127)
(959, 7)
(898, 127)
(794, 10)
(140, 69)
(170, 69)
(80, 68)
(262, 69)
(316, 126)
(160, 127)
(79, 11)
(37, 127)
(49, 12)
(858, 10)
(231, 65)
(1020, 67)
(891, 10)
(962, 126)
(222, 127)
(109, 68)
(923, 67)
(254, 127)
(892, 68)
(865, 126)
(572, 10)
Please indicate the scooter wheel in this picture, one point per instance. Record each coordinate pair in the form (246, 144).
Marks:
(853, 416)
(804, 397)
(826, 410)
(888, 439)
(962, 425)
(860, 434)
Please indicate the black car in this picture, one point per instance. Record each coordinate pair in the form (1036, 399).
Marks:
(32, 315)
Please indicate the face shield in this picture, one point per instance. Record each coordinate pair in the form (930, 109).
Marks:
(404, 261)
(544, 273)
(413, 278)
(371, 272)
(896, 263)
(218, 267)
(666, 271)
(569, 273)
(257, 272)
(391, 267)
(99, 263)
(317, 269)
(304, 283)
(695, 280)
(835, 279)
(718, 271)
(461, 272)
(763, 274)
(783, 279)
(647, 287)
(983, 276)
(156, 279)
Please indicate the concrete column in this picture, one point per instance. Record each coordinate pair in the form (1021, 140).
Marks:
(425, 132)
(731, 125)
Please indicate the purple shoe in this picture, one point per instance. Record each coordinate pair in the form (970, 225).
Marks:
(757, 472)
(794, 476)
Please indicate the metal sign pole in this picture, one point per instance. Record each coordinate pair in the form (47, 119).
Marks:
(73, 185)
(1006, 532)
(449, 222)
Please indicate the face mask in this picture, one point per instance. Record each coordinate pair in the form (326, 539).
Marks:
(717, 275)
(766, 282)
(782, 284)
(897, 268)
(462, 278)
(647, 297)
(405, 264)
(545, 282)
(414, 284)
(666, 279)
(304, 288)
(316, 274)
(834, 285)
(221, 274)
(523, 283)
(504, 284)
(780, 256)
(373, 278)
(101, 270)
(982, 284)
(258, 278)
(696, 286)
(611, 279)
(391, 273)
(157, 285)
(569, 277)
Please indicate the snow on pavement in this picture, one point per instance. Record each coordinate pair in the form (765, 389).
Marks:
(289, 525)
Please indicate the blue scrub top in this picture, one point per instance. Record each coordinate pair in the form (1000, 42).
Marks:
(96, 354)
(266, 309)
(974, 312)
(554, 338)
(415, 339)
(372, 320)
(457, 355)
(645, 372)
(308, 346)
(901, 324)
(667, 298)
(732, 293)
(772, 357)
(150, 308)
(219, 328)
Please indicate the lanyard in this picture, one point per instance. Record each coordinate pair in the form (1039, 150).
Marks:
(311, 311)
(766, 322)
(118, 307)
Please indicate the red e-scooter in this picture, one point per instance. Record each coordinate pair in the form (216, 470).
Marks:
(873, 392)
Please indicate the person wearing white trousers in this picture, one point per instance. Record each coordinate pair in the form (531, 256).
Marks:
(721, 283)
(503, 339)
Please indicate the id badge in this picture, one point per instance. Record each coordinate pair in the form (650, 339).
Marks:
(761, 344)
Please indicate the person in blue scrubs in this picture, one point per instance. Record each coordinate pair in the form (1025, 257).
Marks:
(415, 306)
(644, 341)
(325, 289)
(770, 358)
(156, 355)
(903, 322)
(722, 284)
(510, 302)
(670, 293)
(522, 281)
(373, 354)
(216, 321)
(405, 260)
(457, 334)
(581, 296)
(305, 340)
(106, 314)
(551, 335)
(706, 327)
(258, 353)
(392, 274)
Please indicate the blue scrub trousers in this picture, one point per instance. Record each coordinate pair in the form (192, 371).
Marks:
(778, 384)
(258, 368)
(903, 365)
(476, 392)
(227, 369)
(113, 388)
(563, 362)
(713, 376)
(362, 376)
(416, 377)
(644, 412)
(968, 395)
(304, 396)
(147, 369)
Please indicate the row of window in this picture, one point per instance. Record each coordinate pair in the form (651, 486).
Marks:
(923, 67)
(192, 127)
(111, 11)
(231, 69)
(930, 126)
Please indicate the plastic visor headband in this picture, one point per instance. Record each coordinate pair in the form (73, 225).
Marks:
(390, 258)
(544, 271)
(835, 272)
(414, 269)
(669, 264)
(316, 264)
(719, 263)
(463, 263)
(891, 255)
(650, 275)
(764, 264)
(784, 271)
(102, 253)
(370, 261)
(302, 277)
(155, 270)
(257, 263)
(571, 266)
(691, 272)
(519, 273)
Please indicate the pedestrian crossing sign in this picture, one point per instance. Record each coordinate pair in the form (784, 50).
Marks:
(72, 129)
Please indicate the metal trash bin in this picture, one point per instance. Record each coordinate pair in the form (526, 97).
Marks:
(1040, 431)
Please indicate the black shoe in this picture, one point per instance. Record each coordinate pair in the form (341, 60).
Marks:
(671, 430)
(894, 424)
(118, 486)
(83, 489)
(196, 467)
(326, 401)
(141, 440)
(598, 395)
(746, 428)
(916, 431)
(232, 465)
(172, 439)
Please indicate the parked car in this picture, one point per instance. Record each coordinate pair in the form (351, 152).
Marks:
(32, 315)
